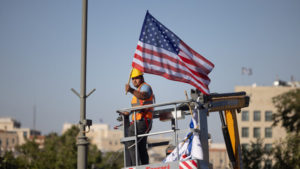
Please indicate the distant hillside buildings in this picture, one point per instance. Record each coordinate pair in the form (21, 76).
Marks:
(102, 136)
(11, 134)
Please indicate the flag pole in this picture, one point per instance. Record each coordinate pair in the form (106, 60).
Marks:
(187, 98)
(129, 78)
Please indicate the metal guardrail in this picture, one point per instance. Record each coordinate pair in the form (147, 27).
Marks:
(153, 105)
(174, 129)
(205, 104)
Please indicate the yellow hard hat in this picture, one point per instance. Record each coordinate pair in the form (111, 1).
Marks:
(135, 73)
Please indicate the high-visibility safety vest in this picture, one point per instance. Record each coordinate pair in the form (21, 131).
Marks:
(144, 113)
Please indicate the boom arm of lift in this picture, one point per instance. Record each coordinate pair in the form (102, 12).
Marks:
(230, 103)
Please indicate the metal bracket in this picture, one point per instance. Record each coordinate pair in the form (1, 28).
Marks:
(75, 92)
(91, 92)
(88, 123)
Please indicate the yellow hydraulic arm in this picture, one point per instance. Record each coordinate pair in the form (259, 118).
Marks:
(230, 104)
(231, 121)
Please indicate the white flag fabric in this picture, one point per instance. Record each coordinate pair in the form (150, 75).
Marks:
(190, 147)
(183, 150)
(196, 151)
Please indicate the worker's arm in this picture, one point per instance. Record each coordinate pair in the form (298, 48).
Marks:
(143, 95)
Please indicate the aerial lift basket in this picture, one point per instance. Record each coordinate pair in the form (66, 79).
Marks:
(227, 102)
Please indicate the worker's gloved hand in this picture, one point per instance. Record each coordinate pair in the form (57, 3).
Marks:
(120, 118)
(125, 113)
(127, 88)
(117, 126)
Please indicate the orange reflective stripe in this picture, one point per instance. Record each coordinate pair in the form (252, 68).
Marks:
(134, 105)
(137, 102)
(134, 102)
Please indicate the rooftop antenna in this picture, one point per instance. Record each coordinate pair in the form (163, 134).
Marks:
(292, 78)
(34, 116)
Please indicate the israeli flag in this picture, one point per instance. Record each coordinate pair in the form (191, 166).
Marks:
(190, 147)
(196, 150)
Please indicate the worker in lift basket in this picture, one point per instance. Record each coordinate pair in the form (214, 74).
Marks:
(142, 95)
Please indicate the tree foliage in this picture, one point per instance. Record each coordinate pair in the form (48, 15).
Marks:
(59, 152)
(8, 161)
(287, 153)
(255, 156)
(288, 110)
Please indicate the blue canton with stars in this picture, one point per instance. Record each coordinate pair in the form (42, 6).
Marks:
(156, 34)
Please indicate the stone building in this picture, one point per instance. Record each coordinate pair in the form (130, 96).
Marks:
(255, 121)
(102, 136)
(8, 141)
(218, 156)
(11, 134)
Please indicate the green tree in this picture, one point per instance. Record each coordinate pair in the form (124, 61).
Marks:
(67, 149)
(287, 153)
(50, 151)
(8, 161)
(254, 155)
(288, 110)
(112, 160)
(29, 155)
(59, 152)
(94, 157)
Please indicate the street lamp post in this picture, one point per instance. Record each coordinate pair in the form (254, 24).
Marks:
(82, 142)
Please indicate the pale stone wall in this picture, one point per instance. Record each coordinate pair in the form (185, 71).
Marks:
(261, 100)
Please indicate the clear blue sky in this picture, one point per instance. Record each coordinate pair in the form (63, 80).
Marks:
(40, 51)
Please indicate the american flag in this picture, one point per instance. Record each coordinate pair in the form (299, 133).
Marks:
(246, 71)
(161, 52)
(189, 164)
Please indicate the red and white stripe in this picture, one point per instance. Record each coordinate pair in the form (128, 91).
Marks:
(189, 164)
(188, 66)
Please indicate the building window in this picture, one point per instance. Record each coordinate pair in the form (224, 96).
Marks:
(7, 142)
(268, 116)
(25, 134)
(245, 132)
(256, 115)
(245, 115)
(268, 147)
(256, 146)
(13, 141)
(268, 132)
(256, 132)
(0, 142)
